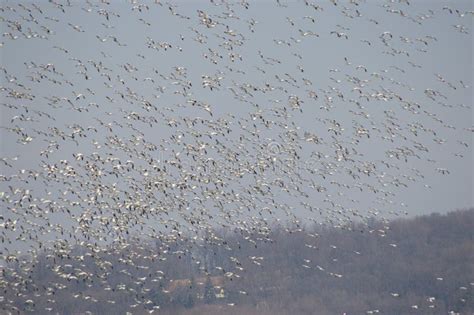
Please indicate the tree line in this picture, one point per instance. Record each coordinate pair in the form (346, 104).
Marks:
(423, 265)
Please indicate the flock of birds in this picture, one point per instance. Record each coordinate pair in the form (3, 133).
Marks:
(118, 126)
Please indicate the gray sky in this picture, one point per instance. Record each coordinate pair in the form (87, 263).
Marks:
(407, 73)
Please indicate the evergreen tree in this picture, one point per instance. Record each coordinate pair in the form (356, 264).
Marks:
(209, 295)
(191, 296)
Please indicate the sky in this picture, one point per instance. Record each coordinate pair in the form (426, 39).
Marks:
(278, 42)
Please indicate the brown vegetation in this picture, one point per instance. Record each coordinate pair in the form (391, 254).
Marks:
(427, 262)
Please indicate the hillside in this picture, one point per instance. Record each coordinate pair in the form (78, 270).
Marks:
(423, 265)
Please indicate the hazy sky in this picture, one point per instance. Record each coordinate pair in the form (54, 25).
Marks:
(322, 61)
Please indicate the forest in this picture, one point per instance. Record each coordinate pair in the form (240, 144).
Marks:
(421, 265)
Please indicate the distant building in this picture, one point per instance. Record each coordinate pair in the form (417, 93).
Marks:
(216, 281)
